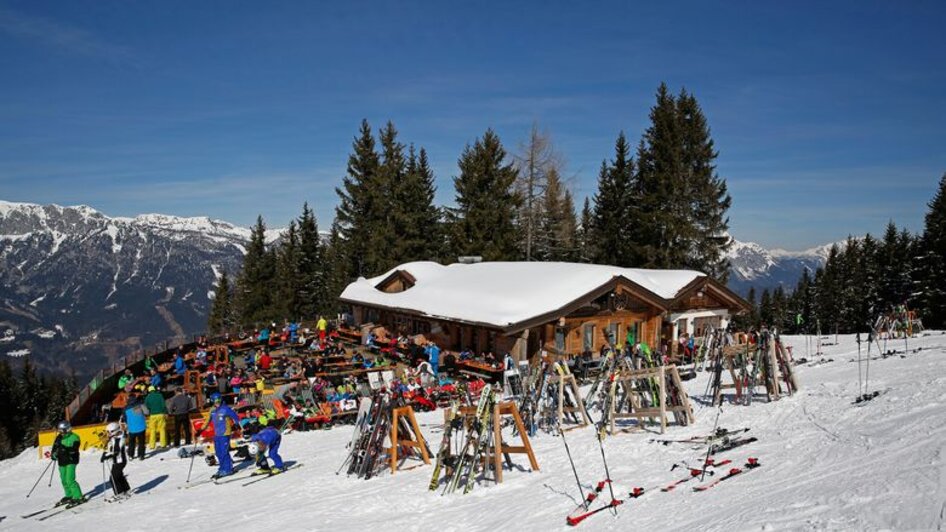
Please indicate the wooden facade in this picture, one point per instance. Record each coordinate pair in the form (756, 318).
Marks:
(601, 317)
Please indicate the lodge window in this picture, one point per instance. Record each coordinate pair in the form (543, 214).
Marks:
(372, 315)
(560, 339)
(588, 342)
(420, 327)
(612, 334)
(635, 330)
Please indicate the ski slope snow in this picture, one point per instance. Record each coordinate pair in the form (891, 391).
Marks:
(827, 464)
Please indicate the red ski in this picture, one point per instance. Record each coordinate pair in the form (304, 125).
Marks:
(751, 464)
(574, 520)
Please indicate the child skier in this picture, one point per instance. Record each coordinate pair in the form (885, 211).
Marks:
(224, 419)
(66, 453)
(266, 439)
(115, 451)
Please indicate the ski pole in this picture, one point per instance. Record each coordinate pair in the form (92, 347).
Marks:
(41, 475)
(51, 473)
(575, 471)
(867, 374)
(193, 454)
(860, 385)
(709, 448)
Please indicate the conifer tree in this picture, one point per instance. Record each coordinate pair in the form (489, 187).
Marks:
(664, 216)
(336, 268)
(484, 220)
(586, 247)
(612, 219)
(710, 199)
(359, 205)
(391, 233)
(420, 236)
(254, 286)
(289, 298)
(931, 263)
(555, 235)
(311, 283)
(221, 311)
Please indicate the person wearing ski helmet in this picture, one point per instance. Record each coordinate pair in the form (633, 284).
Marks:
(265, 440)
(224, 419)
(115, 451)
(66, 453)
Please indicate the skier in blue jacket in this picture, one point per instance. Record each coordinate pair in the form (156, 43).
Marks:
(224, 419)
(267, 439)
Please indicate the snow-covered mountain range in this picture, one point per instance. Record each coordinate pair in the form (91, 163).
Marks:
(751, 265)
(78, 288)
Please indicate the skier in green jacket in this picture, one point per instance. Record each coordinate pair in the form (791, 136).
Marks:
(66, 453)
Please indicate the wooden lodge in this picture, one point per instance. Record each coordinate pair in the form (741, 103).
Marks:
(525, 307)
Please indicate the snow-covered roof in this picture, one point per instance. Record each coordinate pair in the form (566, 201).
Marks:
(506, 293)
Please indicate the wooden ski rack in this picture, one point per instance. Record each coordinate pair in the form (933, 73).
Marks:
(625, 380)
(563, 382)
(500, 409)
(398, 441)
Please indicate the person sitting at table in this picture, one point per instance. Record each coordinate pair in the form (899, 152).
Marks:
(263, 337)
(150, 364)
(179, 366)
(200, 360)
(126, 381)
(155, 379)
(264, 361)
(426, 373)
(466, 354)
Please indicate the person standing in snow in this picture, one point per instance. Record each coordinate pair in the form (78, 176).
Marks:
(65, 452)
(267, 439)
(136, 420)
(157, 419)
(321, 325)
(115, 451)
(180, 406)
(224, 419)
(434, 357)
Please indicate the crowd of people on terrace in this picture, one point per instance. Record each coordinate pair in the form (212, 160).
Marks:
(314, 380)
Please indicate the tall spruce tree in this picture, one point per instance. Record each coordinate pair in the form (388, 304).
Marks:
(554, 238)
(664, 216)
(680, 203)
(255, 284)
(484, 221)
(289, 297)
(221, 311)
(336, 268)
(360, 201)
(420, 235)
(709, 197)
(586, 247)
(612, 233)
(931, 261)
(311, 270)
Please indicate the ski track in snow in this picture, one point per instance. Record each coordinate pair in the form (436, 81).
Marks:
(827, 464)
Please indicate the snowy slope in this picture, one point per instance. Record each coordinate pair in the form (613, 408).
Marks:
(826, 464)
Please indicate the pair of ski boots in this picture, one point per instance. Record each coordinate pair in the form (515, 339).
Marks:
(69, 502)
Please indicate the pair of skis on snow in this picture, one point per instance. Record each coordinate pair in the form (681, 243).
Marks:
(574, 520)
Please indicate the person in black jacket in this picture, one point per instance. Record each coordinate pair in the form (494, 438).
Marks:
(115, 451)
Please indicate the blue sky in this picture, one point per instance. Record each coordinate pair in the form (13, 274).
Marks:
(830, 117)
